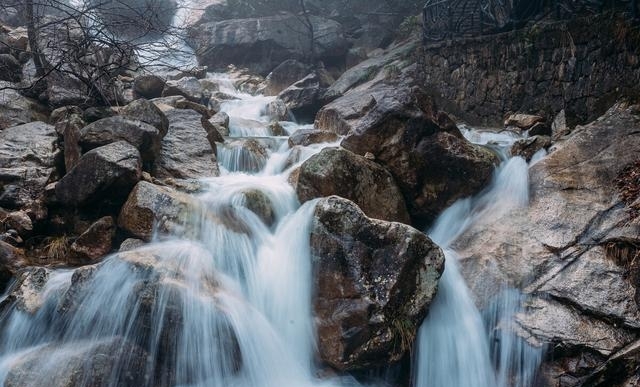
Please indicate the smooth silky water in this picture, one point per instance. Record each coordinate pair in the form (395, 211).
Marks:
(229, 303)
(457, 346)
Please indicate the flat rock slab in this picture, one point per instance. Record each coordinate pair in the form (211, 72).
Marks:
(186, 153)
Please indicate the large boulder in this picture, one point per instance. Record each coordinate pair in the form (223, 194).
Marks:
(108, 172)
(573, 249)
(94, 363)
(339, 172)
(189, 87)
(152, 208)
(145, 137)
(374, 283)
(16, 109)
(286, 74)
(28, 159)
(263, 43)
(421, 147)
(150, 291)
(147, 112)
(371, 70)
(148, 86)
(304, 98)
(186, 152)
(138, 300)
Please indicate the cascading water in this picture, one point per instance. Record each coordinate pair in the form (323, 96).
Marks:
(229, 303)
(454, 348)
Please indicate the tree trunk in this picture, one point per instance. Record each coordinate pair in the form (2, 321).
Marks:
(39, 60)
(312, 38)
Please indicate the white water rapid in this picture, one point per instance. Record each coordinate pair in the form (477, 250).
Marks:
(230, 302)
(228, 306)
(456, 346)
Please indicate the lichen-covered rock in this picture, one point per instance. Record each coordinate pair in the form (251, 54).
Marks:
(145, 137)
(374, 282)
(108, 172)
(339, 172)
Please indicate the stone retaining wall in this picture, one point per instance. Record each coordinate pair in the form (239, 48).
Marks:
(582, 66)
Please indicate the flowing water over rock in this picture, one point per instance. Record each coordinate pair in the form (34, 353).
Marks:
(229, 302)
(456, 346)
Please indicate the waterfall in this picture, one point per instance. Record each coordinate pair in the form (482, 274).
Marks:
(456, 346)
(230, 303)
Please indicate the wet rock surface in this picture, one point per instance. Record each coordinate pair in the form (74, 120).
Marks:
(421, 147)
(284, 75)
(304, 98)
(571, 249)
(374, 282)
(339, 172)
(151, 208)
(91, 362)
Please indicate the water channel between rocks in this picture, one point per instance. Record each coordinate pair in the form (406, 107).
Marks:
(230, 304)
